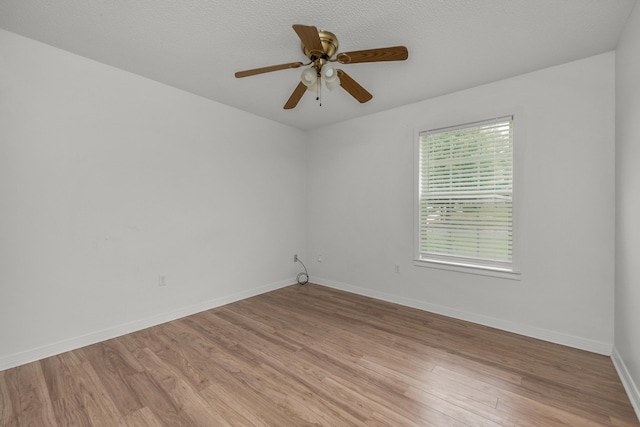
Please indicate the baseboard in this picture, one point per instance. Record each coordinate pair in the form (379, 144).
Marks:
(526, 330)
(49, 350)
(627, 381)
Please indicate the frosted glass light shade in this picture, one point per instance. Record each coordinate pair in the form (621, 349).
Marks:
(329, 76)
(332, 84)
(309, 77)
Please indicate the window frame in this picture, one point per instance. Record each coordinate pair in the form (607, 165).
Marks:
(460, 264)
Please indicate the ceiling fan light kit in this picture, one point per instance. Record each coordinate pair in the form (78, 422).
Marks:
(313, 78)
(320, 47)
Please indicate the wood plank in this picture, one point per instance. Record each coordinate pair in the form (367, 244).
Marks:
(67, 404)
(7, 414)
(143, 417)
(94, 398)
(200, 411)
(158, 401)
(31, 402)
(112, 364)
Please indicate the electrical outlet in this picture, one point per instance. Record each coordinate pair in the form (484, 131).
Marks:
(295, 258)
(319, 258)
(162, 280)
(396, 268)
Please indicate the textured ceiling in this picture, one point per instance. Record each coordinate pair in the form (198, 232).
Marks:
(197, 45)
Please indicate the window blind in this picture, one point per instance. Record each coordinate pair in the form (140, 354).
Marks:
(466, 192)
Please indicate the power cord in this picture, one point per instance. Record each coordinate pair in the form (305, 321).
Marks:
(302, 278)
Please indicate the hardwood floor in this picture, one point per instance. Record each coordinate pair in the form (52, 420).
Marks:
(310, 355)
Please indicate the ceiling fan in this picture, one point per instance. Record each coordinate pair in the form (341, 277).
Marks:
(320, 47)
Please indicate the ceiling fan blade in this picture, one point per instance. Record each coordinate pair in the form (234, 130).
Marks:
(351, 86)
(310, 38)
(268, 69)
(395, 53)
(295, 96)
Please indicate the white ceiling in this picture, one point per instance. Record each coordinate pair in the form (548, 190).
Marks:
(197, 45)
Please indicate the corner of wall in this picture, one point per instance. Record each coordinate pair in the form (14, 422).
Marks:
(627, 381)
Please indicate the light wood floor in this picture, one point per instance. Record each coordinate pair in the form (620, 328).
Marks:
(309, 355)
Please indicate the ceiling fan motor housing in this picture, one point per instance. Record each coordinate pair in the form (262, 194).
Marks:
(329, 46)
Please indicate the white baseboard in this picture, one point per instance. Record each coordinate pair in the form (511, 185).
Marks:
(627, 381)
(52, 349)
(526, 330)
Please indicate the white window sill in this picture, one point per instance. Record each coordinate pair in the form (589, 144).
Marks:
(499, 272)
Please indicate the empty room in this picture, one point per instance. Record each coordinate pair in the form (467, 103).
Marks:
(284, 213)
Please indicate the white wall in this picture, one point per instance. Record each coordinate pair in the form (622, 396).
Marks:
(109, 180)
(627, 295)
(361, 212)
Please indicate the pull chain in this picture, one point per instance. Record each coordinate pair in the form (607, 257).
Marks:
(319, 91)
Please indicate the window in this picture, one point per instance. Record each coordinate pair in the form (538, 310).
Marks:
(465, 200)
